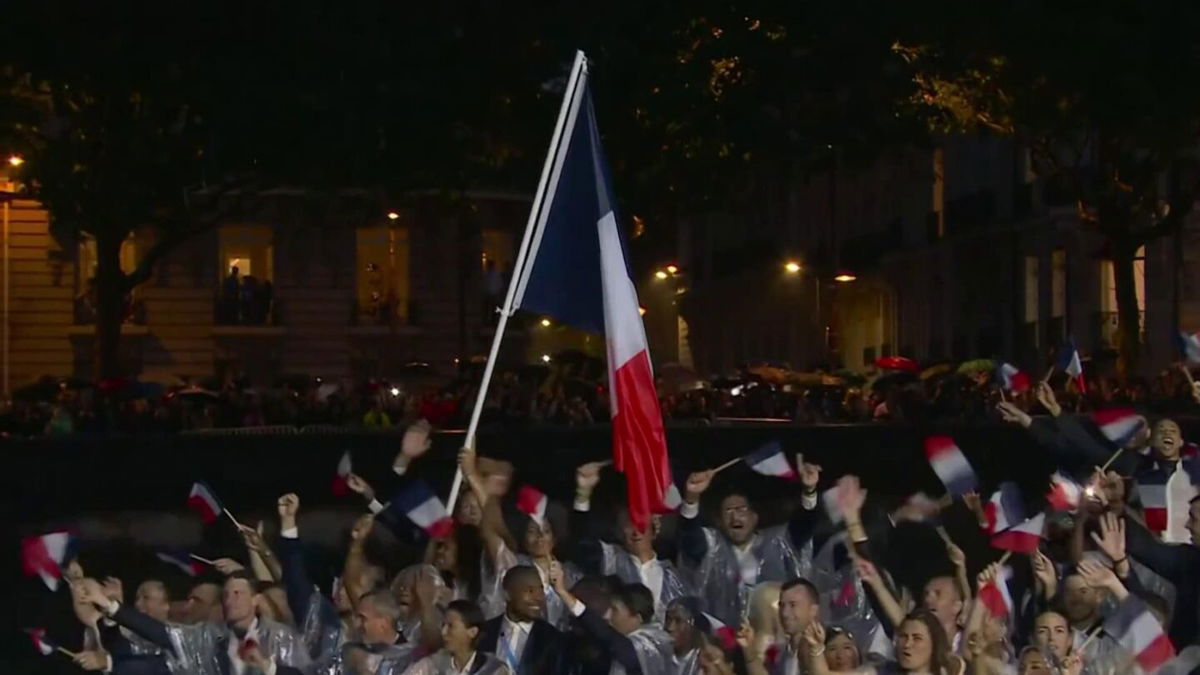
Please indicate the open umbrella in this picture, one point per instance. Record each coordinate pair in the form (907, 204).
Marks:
(897, 363)
(894, 379)
(977, 366)
(937, 370)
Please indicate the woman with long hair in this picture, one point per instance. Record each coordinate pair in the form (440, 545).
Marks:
(921, 649)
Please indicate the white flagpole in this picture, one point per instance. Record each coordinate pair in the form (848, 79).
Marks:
(552, 155)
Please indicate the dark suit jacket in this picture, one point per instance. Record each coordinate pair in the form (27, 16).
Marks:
(543, 649)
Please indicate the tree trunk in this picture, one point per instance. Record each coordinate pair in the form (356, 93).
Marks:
(110, 308)
(1129, 329)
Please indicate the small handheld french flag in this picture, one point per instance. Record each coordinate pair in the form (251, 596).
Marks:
(204, 501)
(1118, 425)
(721, 632)
(340, 485)
(1070, 363)
(1023, 538)
(43, 644)
(1189, 344)
(1012, 379)
(532, 503)
(950, 465)
(995, 596)
(418, 502)
(182, 561)
(44, 556)
(1140, 633)
(1004, 509)
(1064, 494)
(769, 460)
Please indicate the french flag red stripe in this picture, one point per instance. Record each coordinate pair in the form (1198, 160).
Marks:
(43, 556)
(1064, 493)
(1024, 538)
(532, 503)
(340, 486)
(204, 501)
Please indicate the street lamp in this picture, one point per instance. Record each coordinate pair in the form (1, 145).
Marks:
(792, 267)
(660, 275)
(15, 160)
(392, 215)
(545, 323)
(672, 269)
(845, 277)
(641, 310)
(545, 358)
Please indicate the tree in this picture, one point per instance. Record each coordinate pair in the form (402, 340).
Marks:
(1102, 95)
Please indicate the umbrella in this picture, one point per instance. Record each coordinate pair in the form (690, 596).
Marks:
(897, 363)
(937, 370)
(195, 392)
(45, 389)
(769, 373)
(677, 378)
(977, 366)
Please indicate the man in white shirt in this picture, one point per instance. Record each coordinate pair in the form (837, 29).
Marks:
(520, 637)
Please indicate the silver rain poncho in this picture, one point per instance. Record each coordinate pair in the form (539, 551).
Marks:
(844, 603)
(720, 578)
(201, 649)
(323, 639)
(440, 663)
(616, 560)
(654, 651)
(392, 660)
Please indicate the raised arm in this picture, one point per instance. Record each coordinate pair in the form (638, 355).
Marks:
(1172, 561)
(874, 580)
(693, 545)
(356, 557)
(620, 648)
(492, 529)
(262, 559)
(296, 582)
(148, 627)
(416, 442)
(804, 520)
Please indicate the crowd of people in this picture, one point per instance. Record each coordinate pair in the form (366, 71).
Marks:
(557, 396)
(1101, 579)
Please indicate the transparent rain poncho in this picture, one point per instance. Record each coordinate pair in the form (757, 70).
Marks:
(203, 648)
(719, 575)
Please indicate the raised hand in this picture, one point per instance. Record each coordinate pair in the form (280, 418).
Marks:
(1045, 396)
(416, 440)
(92, 660)
(867, 571)
(810, 475)
(696, 484)
(973, 502)
(91, 592)
(288, 507)
(362, 528)
(227, 566)
(1072, 665)
(987, 576)
(850, 496)
(467, 462)
(359, 486)
(956, 555)
(814, 636)
(1111, 538)
(556, 576)
(1097, 575)
(745, 637)
(1014, 415)
(114, 589)
(253, 537)
(1043, 571)
(587, 477)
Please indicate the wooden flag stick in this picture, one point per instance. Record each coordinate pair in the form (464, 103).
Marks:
(1187, 373)
(1049, 373)
(235, 520)
(726, 465)
(1002, 396)
(197, 558)
(1112, 459)
(944, 535)
(1004, 558)
(67, 652)
(1091, 636)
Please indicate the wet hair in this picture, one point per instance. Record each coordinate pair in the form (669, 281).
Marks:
(384, 603)
(813, 594)
(940, 648)
(638, 599)
(472, 616)
(953, 584)
(246, 576)
(519, 573)
(594, 593)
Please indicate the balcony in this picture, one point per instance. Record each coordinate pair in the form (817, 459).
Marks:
(382, 317)
(247, 314)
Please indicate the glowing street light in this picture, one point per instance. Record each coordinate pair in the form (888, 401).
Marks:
(672, 269)
(545, 323)
(660, 275)
(395, 391)
(545, 358)
(792, 267)
(845, 277)
(15, 160)
(392, 215)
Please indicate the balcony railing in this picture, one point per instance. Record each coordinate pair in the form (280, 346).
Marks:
(245, 309)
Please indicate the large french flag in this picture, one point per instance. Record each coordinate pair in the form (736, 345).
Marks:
(769, 460)
(1004, 509)
(419, 504)
(1024, 538)
(45, 555)
(203, 500)
(1118, 425)
(1136, 629)
(576, 270)
(950, 465)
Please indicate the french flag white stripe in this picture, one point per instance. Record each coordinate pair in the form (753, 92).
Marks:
(774, 464)
(1153, 496)
(625, 334)
(428, 513)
